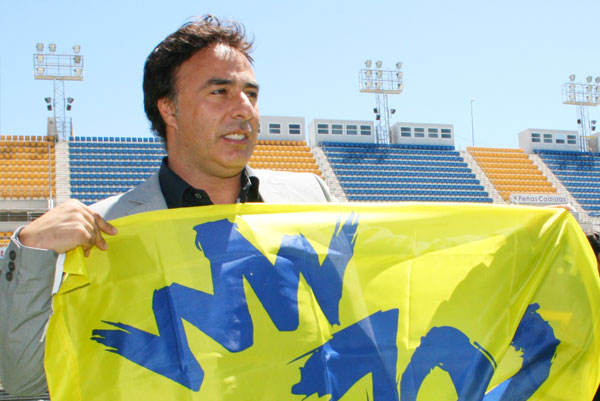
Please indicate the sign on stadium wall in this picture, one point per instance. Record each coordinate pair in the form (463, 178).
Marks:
(2, 250)
(538, 199)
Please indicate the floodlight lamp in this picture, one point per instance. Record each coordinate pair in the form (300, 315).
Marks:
(40, 70)
(48, 99)
(77, 59)
(378, 85)
(70, 100)
(572, 97)
(368, 73)
(593, 122)
(597, 80)
(378, 117)
(597, 99)
(39, 47)
(378, 64)
(589, 88)
(589, 98)
(597, 88)
(572, 77)
(588, 78)
(368, 84)
(375, 110)
(78, 72)
(393, 111)
(400, 87)
(379, 74)
(368, 63)
(39, 58)
(399, 65)
(52, 47)
(76, 49)
(572, 87)
(399, 75)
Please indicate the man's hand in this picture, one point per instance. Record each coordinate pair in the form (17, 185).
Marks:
(66, 227)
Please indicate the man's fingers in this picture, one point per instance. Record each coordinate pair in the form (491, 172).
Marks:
(104, 225)
(99, 226)
(99, 241)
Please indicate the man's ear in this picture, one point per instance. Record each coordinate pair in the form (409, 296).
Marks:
(167, 110)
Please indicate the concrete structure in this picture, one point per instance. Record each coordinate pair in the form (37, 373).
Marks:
(15, 213)
(423, 134)
(282, 128)
(532, 138)
(341, 131)
(593, 143)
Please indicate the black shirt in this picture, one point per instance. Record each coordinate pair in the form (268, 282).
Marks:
(179, 193)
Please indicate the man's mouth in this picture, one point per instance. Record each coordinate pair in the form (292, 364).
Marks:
(236, 136)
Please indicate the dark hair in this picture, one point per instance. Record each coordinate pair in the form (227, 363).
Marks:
(163, 62)
(594, 239)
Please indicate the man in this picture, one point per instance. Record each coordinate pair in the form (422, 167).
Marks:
(201, 97)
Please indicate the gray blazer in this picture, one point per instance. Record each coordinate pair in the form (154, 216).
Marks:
(274, 187)
(27, 274)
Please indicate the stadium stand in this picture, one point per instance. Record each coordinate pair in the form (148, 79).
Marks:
(378, 172)
(104, 166)
(579, 172)
(5, 237)
(511, 171)
(97, 167)
(27, 167)
(284, 156)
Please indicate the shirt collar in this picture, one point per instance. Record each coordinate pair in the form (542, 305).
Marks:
(179, 193)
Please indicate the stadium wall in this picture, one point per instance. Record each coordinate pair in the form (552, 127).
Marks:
(348, 131)
(423, 134)
(534, 138)
(282, 129)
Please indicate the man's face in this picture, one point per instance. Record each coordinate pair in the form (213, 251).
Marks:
(213, 123)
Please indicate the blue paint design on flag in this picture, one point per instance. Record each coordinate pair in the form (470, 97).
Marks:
(471, 367)
(451, 350)
(365, 347)
(535, 339)
(368, 346)
(224, 315)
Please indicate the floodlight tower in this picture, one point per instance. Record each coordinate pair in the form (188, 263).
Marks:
(382, 83)
(582, 95)
(58, 68)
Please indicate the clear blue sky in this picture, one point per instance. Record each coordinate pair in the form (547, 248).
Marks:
(511, 56)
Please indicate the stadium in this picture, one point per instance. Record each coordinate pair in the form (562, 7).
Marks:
(360, 160)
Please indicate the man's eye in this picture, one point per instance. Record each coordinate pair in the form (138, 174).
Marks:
(253, 94)
(219, 91)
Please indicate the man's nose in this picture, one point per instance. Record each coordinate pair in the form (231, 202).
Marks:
(244, 107)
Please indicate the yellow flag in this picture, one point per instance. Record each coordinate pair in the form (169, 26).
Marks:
(330, 302)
